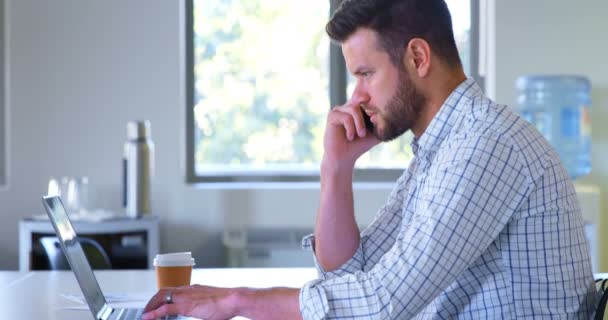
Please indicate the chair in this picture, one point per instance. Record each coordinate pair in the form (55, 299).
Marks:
(96, 255)
(602, 285)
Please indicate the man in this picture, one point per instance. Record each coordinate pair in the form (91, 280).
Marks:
(484, 223)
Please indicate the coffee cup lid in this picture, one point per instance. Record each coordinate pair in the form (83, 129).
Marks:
(176, 259)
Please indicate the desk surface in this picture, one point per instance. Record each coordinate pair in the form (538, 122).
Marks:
(10, 278)
(38, 295)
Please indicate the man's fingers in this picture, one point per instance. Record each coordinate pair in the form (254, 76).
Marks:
(349, 126)
(355, 112)
(164, 310)
(155, 301)
(338, 117)
(159, 298)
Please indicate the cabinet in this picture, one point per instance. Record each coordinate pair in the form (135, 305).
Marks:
(267, 248)
(129, 243)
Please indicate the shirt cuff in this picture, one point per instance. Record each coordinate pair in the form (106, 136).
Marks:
(354, 264)
(313, 301)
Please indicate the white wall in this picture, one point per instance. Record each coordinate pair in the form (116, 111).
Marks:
(559, 37)
(78, 70)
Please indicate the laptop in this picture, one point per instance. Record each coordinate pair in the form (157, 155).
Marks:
(81, 267)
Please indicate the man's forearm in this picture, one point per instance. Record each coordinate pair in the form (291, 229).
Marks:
(273, 303)
(336, 231)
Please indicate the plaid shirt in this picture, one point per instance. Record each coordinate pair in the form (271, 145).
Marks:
(483, 224)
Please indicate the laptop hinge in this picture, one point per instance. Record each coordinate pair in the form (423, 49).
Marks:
(104, 313)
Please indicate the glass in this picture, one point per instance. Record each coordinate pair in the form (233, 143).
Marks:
(53, 187)
(74, 191)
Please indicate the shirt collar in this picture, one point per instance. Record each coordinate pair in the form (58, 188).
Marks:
(448, 115)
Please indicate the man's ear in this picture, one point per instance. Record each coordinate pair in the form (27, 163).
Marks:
(418, 56)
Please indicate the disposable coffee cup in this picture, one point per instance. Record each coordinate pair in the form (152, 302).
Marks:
(173, 269)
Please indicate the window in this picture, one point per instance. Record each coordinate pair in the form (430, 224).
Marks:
(259, 74)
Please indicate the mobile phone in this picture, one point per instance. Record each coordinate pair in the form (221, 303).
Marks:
(368, 122)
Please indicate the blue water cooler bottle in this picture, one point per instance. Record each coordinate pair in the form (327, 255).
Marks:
(558, 106)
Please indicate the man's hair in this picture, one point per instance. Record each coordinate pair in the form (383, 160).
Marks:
(396, 22)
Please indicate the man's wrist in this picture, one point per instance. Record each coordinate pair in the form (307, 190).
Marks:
(242, 299)
(333, 168)
(272, 303)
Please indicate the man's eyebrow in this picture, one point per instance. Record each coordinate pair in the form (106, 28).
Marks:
(360, 70)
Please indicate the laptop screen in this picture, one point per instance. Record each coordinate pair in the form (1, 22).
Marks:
(75, 255)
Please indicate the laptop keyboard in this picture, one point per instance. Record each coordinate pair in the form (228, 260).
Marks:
(126, 314)
(131, 314)
(134, 314)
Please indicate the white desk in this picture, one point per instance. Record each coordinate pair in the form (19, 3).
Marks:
(9, 279)
(37, 294)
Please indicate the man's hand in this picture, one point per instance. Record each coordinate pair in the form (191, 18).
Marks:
(346, 136)
(346, 139)
(211, 303)
(197, 301)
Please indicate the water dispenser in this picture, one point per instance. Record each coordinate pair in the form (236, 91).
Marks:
(558, 106)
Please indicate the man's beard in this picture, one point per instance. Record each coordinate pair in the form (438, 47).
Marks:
(402, 110)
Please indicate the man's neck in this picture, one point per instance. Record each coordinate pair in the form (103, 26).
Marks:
(438, 90)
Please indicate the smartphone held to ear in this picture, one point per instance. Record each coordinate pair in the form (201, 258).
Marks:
(368, 122)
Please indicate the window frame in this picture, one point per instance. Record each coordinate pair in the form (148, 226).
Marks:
(3, 111)
(337, 96)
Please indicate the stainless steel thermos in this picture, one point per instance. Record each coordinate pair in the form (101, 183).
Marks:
(138, 169)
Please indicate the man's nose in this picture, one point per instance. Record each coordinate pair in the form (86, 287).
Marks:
(360, 95)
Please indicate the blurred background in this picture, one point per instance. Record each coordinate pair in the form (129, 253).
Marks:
(236, 92)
